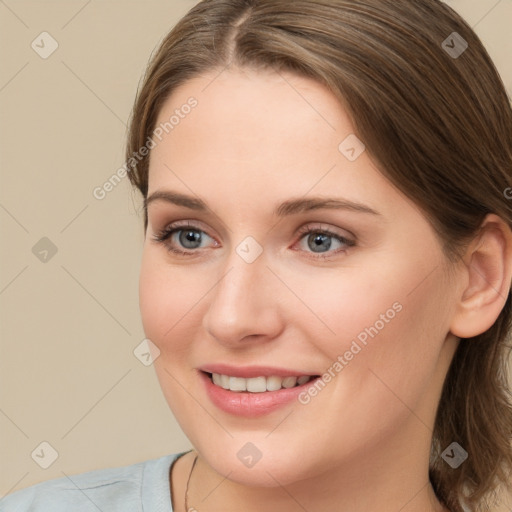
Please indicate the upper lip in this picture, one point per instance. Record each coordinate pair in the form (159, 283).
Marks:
(252, 371)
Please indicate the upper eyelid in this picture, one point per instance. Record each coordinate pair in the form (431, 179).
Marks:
(182, 224)
(196, 225)
(179, 225)
(323, 227)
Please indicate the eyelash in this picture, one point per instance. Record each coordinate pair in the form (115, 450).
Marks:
(166, 233)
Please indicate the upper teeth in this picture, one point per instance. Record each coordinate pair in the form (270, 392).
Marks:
(257, 384)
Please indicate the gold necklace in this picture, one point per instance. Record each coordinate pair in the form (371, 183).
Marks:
(188, 481)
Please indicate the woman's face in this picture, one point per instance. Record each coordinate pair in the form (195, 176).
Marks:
(274, 283)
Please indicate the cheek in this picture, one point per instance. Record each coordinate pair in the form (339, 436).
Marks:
(390, 345)
(390, 298)
(382, 358)
(346, 305)
(167, 297)
(390, 319)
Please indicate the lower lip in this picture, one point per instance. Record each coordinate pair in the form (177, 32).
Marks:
(251, 405)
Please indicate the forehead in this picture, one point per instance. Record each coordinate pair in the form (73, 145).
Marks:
(257, 106)
(242, 137)
(262, 120)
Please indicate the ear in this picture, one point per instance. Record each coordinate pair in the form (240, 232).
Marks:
(488, 273)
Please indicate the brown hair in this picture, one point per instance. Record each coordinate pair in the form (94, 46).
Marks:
(438, 125)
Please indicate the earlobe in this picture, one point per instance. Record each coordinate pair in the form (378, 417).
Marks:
(488, 272)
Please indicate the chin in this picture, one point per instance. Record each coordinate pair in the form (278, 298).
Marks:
(256, 462)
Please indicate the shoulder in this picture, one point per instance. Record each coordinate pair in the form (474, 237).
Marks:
(140, 486)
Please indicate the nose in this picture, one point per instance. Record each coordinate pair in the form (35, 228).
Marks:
(244, 304)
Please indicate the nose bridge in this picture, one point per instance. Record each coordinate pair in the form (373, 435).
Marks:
(242, 302)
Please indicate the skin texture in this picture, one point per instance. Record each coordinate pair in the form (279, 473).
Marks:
(254, 140)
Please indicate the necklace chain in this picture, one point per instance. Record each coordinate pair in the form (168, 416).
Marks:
(188, 482)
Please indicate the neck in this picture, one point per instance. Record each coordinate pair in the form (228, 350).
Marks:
(392, 478)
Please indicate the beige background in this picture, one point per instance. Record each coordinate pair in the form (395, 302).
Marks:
(69, 325)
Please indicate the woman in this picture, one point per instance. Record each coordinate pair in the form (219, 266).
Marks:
(327, 263)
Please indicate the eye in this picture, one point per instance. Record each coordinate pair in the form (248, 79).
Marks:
(320, 240)
(177, 237)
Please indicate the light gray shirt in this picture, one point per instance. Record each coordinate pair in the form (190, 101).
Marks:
(141, 487)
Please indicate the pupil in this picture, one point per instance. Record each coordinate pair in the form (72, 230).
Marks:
(190, 237)
(320, 240)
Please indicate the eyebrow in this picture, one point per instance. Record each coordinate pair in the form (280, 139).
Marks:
(290, 207)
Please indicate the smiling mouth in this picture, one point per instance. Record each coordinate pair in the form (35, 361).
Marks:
(258, 384)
